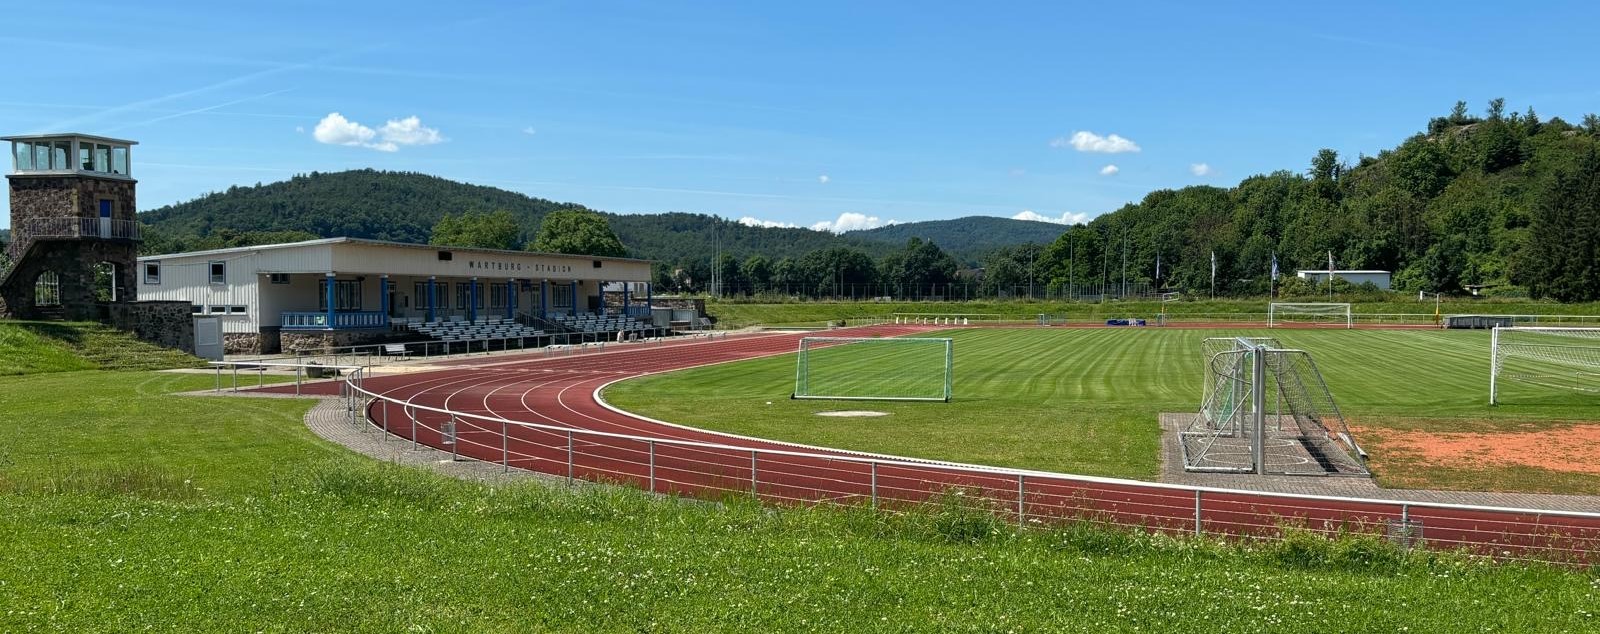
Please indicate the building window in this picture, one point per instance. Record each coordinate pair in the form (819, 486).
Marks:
(561, 295)
(237, 310)
(152, 272)
(278, 278)
(497, 295)
(346, 295)
(441, 294)
(197, 309)
(464, 293)
(219, 272)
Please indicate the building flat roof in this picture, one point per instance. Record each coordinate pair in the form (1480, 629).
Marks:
(383, 243)
(59, 135)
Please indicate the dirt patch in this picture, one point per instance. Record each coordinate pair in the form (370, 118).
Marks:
(1573, 449)
(853, 413)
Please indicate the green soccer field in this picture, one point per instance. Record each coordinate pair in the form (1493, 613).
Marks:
(1086, 400)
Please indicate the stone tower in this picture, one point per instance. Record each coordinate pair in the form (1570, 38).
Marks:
(74, 236)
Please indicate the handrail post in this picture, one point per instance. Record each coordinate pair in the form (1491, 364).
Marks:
(385, 421)
(454, 440)
(754, 483)
(874, 486)
(412, 413)
(235, 377)
(505, 450)
(569, 456)
(1022, 516)
(218, 388)
(652, 466)
(298, 370)
(1197, 512)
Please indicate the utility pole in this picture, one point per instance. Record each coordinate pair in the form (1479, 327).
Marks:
(1124, 264)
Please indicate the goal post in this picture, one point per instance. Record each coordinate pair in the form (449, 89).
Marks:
(874, 368)
(1563, 358)
(1313, 313)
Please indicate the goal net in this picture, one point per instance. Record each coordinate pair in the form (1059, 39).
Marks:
(1268, 410)
(1560, 358)
(874, 368)
(1320, 314)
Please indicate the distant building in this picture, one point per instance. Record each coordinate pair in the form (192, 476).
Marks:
(1379, 279)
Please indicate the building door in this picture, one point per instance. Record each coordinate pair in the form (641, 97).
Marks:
(394, 310)
(208, 338)
(105, 218)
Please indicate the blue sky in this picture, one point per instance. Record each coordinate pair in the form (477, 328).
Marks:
(843, 112)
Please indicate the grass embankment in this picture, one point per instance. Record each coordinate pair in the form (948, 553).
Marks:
(28, 347)
(247, 523)
(1086, 401)
(734, 314)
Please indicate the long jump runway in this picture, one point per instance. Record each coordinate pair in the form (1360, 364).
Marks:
(567, 432)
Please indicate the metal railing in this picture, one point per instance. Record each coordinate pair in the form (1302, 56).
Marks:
(378, 354)
(804, 475)
(307, 369)
(28, 230)
(342, 319)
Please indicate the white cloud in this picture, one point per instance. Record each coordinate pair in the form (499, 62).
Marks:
(852, 221)
(1067, 217)
(529, 130)
(1109, 170)
(1199, 169)
(750, 221)
(823, 179)
(334, 129)
(299, 129)
(409, 131)
(1090, 142)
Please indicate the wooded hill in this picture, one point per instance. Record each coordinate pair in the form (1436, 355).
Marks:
(404, 206)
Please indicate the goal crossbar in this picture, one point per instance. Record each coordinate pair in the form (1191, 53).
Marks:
(874, 368)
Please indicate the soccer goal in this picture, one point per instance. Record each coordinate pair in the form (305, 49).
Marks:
(1320, 314)
(1267, 410)
(1554, 357)
(874, 368)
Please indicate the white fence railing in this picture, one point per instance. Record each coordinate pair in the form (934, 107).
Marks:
(771, 473)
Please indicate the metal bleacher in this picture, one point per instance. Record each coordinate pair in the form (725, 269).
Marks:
(458, 329)
(603, 326)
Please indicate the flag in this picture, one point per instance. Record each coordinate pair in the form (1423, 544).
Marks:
(1158, 267)
(1213, 268)
(1330, 266)
(1274, 266)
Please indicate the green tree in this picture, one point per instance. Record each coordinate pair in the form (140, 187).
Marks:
(919, 269)
(757, 272)
(491, 230)
(1565, 246)
(577, 232)
(728, 279)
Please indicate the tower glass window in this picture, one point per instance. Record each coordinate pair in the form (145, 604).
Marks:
(24, 155)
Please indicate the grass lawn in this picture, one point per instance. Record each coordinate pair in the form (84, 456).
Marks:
(1085, 400)
(126, 509)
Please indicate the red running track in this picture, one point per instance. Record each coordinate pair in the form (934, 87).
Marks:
(542, 414)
